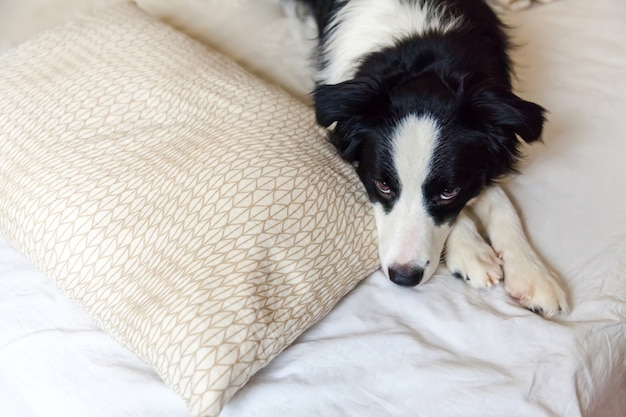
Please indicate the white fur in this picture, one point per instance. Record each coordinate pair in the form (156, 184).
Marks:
(408, 235)
(363, 26)
(526, 278)
(468, 255)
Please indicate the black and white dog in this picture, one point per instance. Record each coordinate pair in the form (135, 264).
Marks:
(417, 95)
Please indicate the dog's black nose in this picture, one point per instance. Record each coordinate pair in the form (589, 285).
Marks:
(407, 277)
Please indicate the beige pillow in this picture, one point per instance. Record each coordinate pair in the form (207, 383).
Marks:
(196, 212)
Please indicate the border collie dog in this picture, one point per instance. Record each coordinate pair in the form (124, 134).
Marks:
(417, 95)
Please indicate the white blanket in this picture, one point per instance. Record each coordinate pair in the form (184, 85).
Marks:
(441, 349)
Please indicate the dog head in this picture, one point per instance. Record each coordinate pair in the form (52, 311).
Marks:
(423, 147)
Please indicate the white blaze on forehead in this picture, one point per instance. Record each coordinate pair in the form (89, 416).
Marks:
(413, 147)
(365, 26)
(408, 235)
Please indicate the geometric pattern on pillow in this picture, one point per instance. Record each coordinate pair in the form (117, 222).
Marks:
(196, 212)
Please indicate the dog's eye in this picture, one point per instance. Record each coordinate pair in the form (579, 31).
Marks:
(447, 196)
(384, 189)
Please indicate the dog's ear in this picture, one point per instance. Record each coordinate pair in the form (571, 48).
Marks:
(502, 117)
(339, 102)
(504, 111)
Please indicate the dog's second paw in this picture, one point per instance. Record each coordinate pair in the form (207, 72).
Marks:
(474, 261)
(530, 282)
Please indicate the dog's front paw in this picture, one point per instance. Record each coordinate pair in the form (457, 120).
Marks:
(529, 281)
(471, 259)
(478, 266)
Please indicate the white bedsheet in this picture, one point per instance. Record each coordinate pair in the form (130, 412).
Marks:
(441, 349)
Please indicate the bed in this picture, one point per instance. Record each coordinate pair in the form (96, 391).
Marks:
(441, 349)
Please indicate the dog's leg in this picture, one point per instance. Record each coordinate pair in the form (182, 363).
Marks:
(526, 278)
(469, 257)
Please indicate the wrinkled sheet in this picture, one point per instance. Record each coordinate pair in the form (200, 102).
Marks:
(441, 349)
